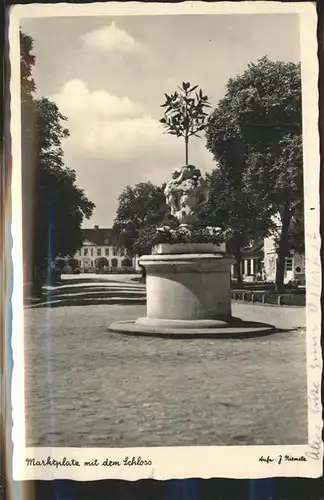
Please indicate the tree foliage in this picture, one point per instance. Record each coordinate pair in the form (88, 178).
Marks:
(297, 233)
(241, 218)
(127, 262)
(60, 263)
(139, 208)
(101, 262)
(255, 136)
(54, 207)
(27, 62)
(73, 263)
(185, 114)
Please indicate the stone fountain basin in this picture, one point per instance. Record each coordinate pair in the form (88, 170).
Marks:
(234, 328)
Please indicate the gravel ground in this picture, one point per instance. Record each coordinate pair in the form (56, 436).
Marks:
(88, 387)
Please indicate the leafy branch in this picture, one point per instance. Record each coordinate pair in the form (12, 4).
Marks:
(185, 115)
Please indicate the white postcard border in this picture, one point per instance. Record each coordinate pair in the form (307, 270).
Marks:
(178, 462)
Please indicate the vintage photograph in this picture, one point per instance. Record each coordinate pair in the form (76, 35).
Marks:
(165, 270)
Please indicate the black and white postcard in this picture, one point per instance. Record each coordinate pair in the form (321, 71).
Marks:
(166, 309)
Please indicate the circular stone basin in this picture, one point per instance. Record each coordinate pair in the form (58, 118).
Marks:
(180, 323)
(233, 328)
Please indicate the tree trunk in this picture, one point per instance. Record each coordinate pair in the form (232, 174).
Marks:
(239, 273)
(282, 251)
(186, 150)
(238, 261)
(143, 273)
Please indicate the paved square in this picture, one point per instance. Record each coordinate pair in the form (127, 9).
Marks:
(86, 387)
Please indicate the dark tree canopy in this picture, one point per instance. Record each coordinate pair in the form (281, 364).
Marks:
(60, 263)
(139, 207)
(101, 262)
(255, 135)
(297, 233)
(127, 262)
(27, 62)
(242, 218)
(73, 263)
(54, 207)
(259, 108)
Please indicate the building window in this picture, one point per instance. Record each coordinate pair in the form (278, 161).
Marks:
(99, 252)
(107, 252)
(91, 252)
(289, 264)
(86, 251)
(115, 251)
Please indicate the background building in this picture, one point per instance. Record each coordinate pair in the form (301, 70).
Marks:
(259, 263)
(100, 243)
(252, 262)
(294, 268)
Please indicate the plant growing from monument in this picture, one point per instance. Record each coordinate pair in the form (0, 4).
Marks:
(185, 114)
(155, 235)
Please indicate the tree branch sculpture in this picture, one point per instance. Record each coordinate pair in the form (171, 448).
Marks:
(185, 114)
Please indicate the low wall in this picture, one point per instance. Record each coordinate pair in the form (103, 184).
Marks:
(262, 297)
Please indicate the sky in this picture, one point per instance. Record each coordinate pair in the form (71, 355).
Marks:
(108, 76)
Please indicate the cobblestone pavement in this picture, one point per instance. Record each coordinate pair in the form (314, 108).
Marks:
(88, 387)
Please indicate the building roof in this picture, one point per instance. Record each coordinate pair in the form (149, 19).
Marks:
(100, 236)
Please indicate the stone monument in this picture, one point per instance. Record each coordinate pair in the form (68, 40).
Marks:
(187, 280)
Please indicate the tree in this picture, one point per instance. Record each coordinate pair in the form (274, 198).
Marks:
(255, 131)
(230, 208)
(143, 243)
(60, 263)
(127, 262)
(73, 263)
(285, 196)
(297, 233)
(101, 262)
(28, 150)
(54, 217)
(139, 207)
(185, 114)
(27, 61)
(57, 269)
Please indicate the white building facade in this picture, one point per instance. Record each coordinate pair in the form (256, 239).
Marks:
(99, 243)
(294, 265)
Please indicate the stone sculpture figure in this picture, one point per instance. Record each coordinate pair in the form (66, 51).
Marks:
(186, 193)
